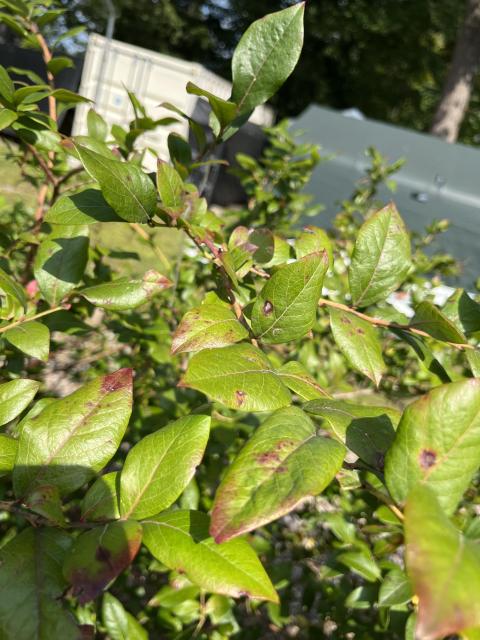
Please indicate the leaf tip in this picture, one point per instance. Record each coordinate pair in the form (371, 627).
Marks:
(121, 379)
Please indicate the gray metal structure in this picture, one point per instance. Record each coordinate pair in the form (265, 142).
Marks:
(438, 180)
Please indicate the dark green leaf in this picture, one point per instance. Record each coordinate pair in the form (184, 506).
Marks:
(431, 320)
(101, 500)
(180, 540)
(87, 207)
(381, 257)
(7, 88)
(58, 64)
(11, 289)
(286, 308)
(224, 110)
(61, 260)
(463, 311)
(437, 443)
(31, 584)
(368, 431)
(72, 438)
(314, 240)
(239, 376)
(266, 55)
(282, 463)
(126, 188)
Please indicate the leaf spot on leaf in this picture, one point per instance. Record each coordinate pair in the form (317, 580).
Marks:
(427, 458)
(103, 555)
(267, 308)
(118, 380)
(240, 397)
(267, 457)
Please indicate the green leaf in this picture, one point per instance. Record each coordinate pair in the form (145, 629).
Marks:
(473, 358)
(72, 438)
(437, 443)
(96, 126)
(207, 326)
(32, 338)
(282, 463)
(424, 353)
(286, 308)
(431, 320)
(7, 117)
(7, 88)
(125, 293)
(463, 311)
(239, 376)
(180, 540)
(55, 65)
(444, 568)
(46, 501)
(101, 500)
(60, 261)
(298, 380)
(361, 562)
(69, 97)
(32, 93)
(19, 7)
(8, 453)
(15, 396)
(87, 207)
(120, 624)
(368, 431)
(224, 110)
(358, 340)
(10, 289)
(161, 465)
(179, 149)
(381, 257)
(170, 186)
(395, 589)
(125, 187)
(314, 240)
(266, 55)
(98, 556)
(31, 584)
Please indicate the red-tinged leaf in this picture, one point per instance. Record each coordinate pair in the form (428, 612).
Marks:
(99, 556)
(284, 462)
(73, 438)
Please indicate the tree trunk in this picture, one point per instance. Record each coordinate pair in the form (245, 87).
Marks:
(458, 85)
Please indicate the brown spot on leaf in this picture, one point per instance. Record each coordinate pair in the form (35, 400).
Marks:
(267, 308)
(360, 331)
(103, 555)
(120, 379)
(240, 397)
(281, 469)
(427, 458)
(268, 457)
(345, 320)
(285, 444)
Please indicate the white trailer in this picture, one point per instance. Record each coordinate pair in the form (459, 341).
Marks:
(111, 67)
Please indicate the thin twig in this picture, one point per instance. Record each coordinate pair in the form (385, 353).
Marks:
(386, 500)
(379, 322)
(25, 319)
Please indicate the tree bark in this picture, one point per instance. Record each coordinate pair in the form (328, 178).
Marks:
(458, 85)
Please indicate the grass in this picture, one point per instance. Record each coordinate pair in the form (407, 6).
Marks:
(128, 252)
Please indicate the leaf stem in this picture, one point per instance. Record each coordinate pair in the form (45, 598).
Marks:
(25, 319)
(379, 322)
